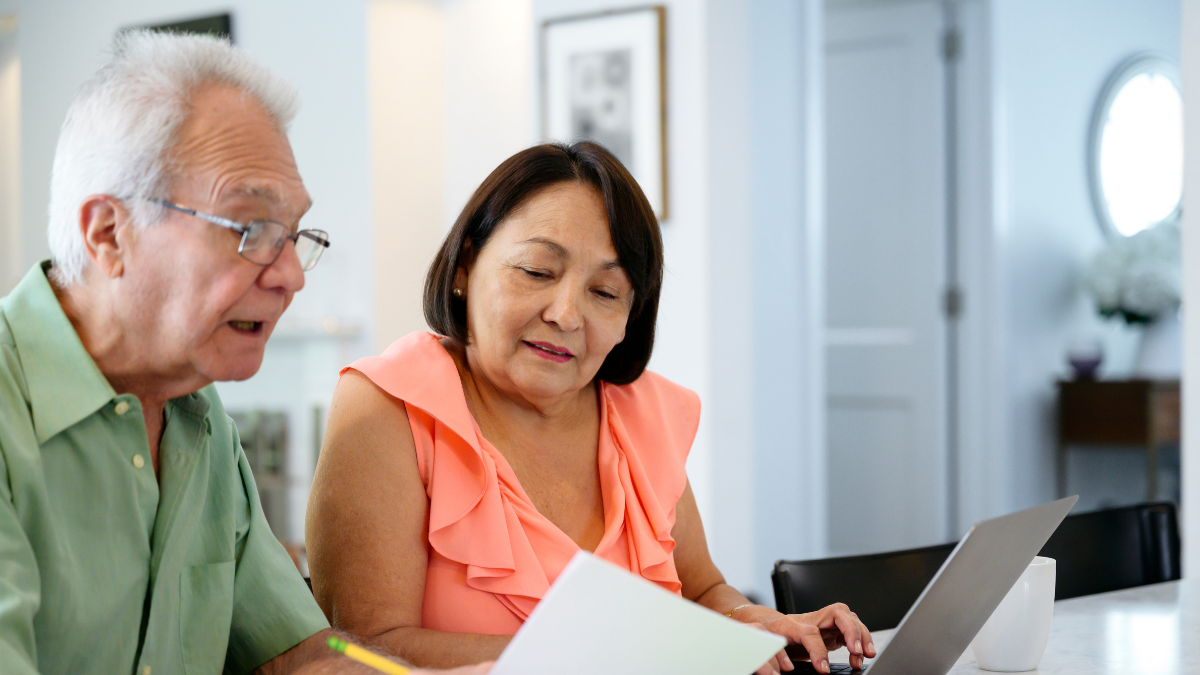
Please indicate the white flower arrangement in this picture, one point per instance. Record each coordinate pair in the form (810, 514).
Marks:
(1138, 278)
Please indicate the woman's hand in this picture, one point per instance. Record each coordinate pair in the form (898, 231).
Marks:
(817, 633)
(814, 634)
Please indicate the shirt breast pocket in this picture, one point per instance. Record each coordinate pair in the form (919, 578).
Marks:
(206, 615)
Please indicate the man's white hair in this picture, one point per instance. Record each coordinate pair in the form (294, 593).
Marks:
(122, 126)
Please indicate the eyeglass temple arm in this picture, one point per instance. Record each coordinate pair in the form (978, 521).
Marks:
(308, 234)
(215, 220)
(233, 224)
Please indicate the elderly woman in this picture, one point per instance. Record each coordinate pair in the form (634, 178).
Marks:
(461, 473)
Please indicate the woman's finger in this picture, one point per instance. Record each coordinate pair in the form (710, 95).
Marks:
(811, 641)
(833, 638)
(785, 662)
(848, 624)
(782, 662)
(868, 641)
(772, 666)
(767, 668)
(798, 631)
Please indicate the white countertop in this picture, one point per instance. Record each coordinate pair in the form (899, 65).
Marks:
(1150, 630)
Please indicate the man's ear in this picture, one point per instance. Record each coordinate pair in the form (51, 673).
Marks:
(105, 225)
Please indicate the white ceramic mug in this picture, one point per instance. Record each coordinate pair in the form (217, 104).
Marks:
(1014, 638)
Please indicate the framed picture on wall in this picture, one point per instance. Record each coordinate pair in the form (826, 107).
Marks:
(603, 79)
(218, 25)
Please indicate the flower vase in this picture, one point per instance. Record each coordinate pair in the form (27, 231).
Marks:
(1160, 354)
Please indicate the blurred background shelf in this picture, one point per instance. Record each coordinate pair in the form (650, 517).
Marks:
(1107, 413)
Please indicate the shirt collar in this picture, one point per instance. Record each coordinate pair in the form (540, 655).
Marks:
(197, 403)
(65, 384)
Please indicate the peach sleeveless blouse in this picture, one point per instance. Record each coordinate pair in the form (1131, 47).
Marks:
(492, 555)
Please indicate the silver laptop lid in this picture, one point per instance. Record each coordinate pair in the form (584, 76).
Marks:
(967, 589)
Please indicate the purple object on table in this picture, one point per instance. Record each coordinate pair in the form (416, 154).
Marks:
(1085, 367)
(1085, 356)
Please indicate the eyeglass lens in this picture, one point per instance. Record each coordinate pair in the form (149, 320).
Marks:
(263, 241)
(310, 244)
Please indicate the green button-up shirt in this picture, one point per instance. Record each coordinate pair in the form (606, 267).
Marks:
(103, 567)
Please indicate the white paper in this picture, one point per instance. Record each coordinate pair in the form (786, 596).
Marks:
(598, 619)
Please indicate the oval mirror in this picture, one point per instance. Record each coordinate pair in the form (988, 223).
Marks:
(1136, 148)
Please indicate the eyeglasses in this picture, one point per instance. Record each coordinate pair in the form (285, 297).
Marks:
(263, 240)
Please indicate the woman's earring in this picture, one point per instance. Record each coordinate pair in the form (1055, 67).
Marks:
(458, 293)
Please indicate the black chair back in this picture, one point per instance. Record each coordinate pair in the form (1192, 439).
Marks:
(1094, 552)
(1112, 549)
(879, 587)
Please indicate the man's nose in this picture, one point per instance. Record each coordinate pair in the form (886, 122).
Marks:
(285, 273)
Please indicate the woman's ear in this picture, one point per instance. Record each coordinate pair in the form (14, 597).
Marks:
(466, 261)
(105, 226)
(460, 283)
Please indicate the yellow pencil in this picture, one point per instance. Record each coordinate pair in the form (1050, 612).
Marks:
(365, 657)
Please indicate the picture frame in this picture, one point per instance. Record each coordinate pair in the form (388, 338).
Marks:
(217, 25)
(603, 79)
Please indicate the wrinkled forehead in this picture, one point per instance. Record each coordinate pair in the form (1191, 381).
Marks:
(229, 148)
(266, 193)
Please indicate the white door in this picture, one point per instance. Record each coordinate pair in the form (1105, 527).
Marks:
(886, 260)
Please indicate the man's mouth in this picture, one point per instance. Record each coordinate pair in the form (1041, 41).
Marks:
(246, 326)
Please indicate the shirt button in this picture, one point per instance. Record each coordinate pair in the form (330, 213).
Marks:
(139, 462)
(121, 408)
(146, 670)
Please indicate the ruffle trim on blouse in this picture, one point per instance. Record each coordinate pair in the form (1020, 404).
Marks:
(655, 518)
(478, 519)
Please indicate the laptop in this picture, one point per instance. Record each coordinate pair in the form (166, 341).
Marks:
(962, 595)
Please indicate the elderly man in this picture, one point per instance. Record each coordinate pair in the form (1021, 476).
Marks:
(131, 536)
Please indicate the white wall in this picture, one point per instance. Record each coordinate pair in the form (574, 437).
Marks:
(451, 96)
(983, 483)
(786, 175)
(1190, 65)
(10, 153)
(407, 100)
(490, 85)
(1051, 60)
(730, 403)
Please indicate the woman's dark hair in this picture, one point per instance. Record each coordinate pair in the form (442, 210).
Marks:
(631, 224)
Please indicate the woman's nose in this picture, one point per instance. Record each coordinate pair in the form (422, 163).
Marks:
(564, 311)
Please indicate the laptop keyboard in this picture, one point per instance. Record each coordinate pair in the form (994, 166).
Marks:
(806, 668)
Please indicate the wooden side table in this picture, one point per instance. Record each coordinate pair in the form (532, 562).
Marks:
(1144, 413)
